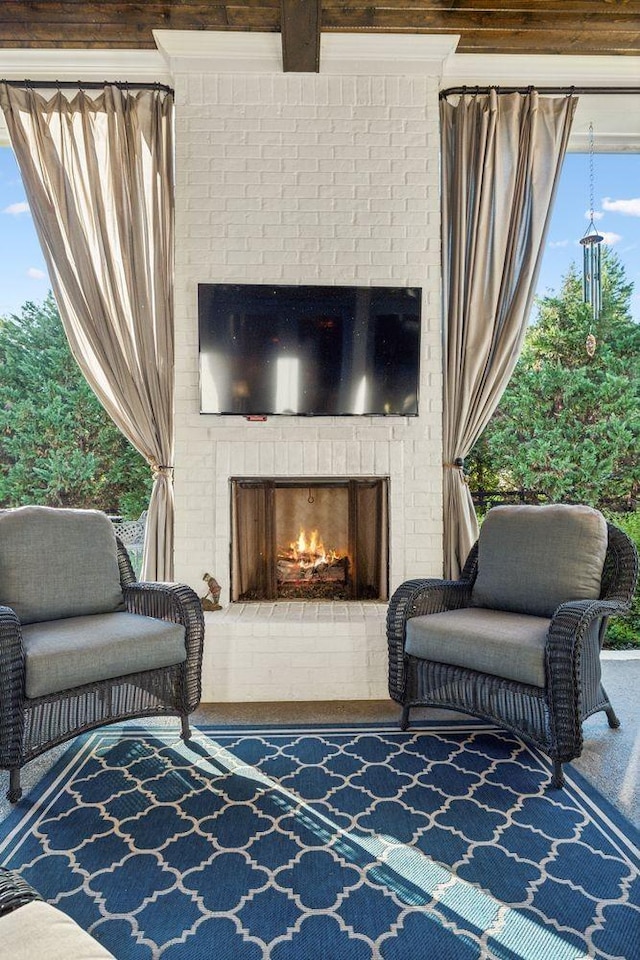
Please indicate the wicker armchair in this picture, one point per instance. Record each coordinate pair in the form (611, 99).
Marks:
(30, 927)
(82, 642)
(492, 647)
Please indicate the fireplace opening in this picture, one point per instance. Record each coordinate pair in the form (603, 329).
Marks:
(299, 539)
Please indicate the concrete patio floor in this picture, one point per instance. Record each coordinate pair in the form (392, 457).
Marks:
(610, 759)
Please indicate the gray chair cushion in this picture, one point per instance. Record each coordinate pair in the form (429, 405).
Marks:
(60, 654)
(38, 929)
(57, 563)
(503, 644)
(533, 558)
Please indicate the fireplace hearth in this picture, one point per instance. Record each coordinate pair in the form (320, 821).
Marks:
(301, 539)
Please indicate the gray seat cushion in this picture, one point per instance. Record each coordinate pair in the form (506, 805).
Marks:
(38, 929)
(57, 563)
(60, 654)
(503, 644)
(533, 558)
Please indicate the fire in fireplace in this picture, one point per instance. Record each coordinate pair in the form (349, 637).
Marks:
(309, 539)
(307, 568)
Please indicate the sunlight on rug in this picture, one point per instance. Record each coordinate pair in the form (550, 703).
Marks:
(335, 843)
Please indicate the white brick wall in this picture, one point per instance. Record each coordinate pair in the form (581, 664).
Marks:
(297, 178)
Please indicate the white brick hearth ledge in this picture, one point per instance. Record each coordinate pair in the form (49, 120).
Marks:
(295, 651)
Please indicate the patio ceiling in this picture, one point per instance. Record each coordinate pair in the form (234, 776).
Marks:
(531, 27)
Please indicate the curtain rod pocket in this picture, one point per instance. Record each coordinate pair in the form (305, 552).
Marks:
(87, 85)
(566, 91)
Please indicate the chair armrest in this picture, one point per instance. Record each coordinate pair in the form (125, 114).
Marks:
(14, 891)
(415, 598)
(178, 603)
(572, 655)
(12, 674)
(620, 573)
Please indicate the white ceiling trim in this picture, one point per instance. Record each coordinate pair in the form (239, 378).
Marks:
(142, 66)
(372, 54)
(343, 53)
(220, 51)
(551, 70)
(615, 118)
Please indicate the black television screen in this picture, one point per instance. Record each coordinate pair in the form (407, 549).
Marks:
(309, 350)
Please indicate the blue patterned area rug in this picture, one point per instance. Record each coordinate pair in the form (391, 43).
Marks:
(328, 843)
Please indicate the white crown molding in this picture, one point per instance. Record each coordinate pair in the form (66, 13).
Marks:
(389, 53)
(343, 53)
(514, 70)
(143, 66)
(609, 142)
(220, 51)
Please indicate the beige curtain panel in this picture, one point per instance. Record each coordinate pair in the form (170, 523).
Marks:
(501, 159)
(98, 174)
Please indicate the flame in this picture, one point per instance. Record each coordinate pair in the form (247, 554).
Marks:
(309, 550)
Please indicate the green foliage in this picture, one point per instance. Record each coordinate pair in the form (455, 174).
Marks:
(59, 447)
(624, 632)
(568, 424)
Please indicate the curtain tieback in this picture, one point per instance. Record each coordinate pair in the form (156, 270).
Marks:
(458, 464)
(160, 469)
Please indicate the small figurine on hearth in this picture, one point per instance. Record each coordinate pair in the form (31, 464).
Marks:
(211, 599)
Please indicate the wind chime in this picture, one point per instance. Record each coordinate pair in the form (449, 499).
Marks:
(591, 262)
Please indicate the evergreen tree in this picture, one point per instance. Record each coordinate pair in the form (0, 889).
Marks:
(568, 424)
(59, 447)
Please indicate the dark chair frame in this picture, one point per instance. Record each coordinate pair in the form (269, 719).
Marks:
(14, 891)
(31, 726)
(550, 717)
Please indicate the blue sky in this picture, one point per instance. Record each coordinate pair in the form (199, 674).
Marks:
(616, 202)
(616, 192)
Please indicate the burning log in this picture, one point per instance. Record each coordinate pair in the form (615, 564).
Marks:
(301, 571)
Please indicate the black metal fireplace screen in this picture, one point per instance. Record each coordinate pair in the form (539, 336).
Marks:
(299, 539)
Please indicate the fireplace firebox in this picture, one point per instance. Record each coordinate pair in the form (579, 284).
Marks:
(319, 539)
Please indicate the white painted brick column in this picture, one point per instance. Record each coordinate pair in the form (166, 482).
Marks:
(303, 179)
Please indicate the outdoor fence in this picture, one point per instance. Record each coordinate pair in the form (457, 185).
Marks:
(483, 500)
(131, 533)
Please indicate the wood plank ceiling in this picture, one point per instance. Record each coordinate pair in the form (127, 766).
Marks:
(594, 27)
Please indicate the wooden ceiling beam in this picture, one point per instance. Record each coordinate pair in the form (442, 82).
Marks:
(604, 27)
(403, 15)
(541, 8)
(300, 22)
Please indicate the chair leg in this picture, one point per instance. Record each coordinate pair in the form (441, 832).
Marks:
(186, 732)
(404, 719)
(612, 718)
(557, 778)
(15, 790)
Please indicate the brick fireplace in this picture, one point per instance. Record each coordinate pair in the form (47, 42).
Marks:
(305, 179)
(309, 540)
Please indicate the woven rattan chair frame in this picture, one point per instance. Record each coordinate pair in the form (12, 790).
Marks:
(549, 718)
(14, 891)
(31, 726)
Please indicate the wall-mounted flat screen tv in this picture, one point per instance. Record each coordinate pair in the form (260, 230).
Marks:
(329, 351)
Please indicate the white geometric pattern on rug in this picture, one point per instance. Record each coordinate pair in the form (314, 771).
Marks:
(339, 843)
